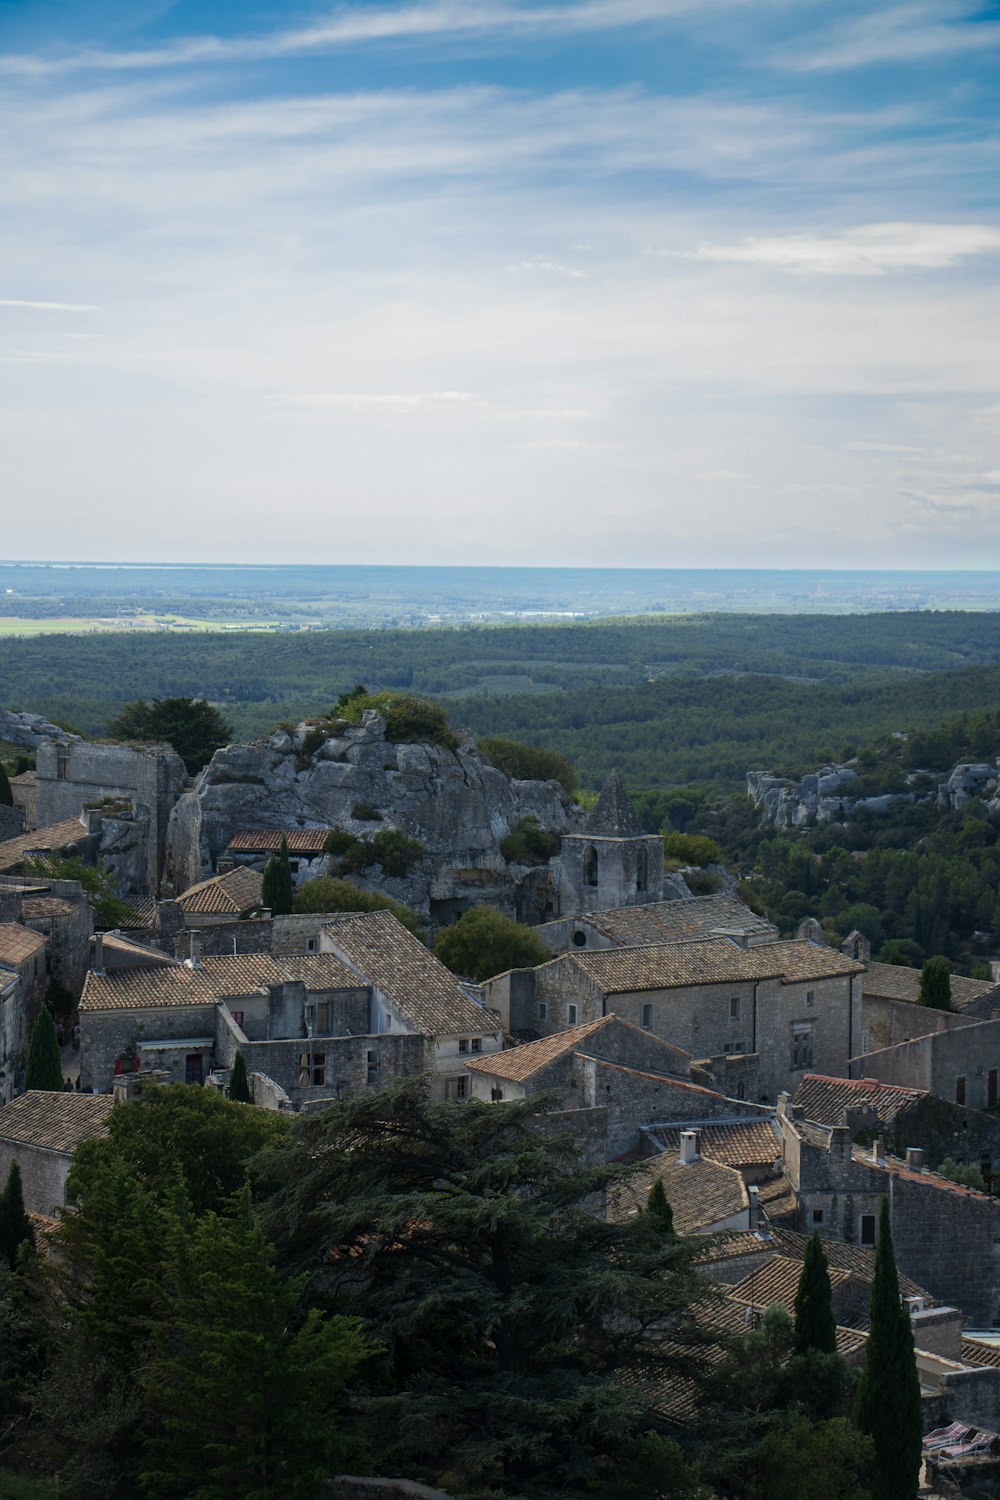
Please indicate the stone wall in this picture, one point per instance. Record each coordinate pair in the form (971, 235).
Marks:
(939, 1061)
(43, 1175)
(885, 1022)
(635, 1099)
(108, 1034)
(11, 822)
(603, 874)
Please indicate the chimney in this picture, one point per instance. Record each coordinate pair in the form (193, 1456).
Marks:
(196, 941)
(876, 1148)
(753, 1193)
(98, 964)
(689, 1147)
(915, 1158)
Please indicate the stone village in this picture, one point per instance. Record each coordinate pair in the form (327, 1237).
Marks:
(774, 1086)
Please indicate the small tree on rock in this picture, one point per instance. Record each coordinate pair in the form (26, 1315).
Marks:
(887, 1405)
(815, 1326)
(278, 888)
(935, 984)
(44, 1070)
(239, 1088)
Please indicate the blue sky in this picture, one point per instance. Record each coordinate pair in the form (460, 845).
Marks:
(624, 282)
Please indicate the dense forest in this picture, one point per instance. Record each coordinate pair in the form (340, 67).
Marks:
(667, 700)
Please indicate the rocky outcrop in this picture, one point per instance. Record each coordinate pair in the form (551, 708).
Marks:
(818, 797)
(457, 805)
(29, 730)
(969, 779)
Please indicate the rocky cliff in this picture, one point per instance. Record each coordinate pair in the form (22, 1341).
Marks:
(29, 730)
(829, 793)
(453, 801)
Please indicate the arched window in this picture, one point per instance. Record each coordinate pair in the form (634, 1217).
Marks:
(590, 866)
(641, 869)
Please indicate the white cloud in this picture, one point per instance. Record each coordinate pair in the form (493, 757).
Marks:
(83, 307)
(382, 400)
(554, 266)
(868, 250)
(902, 33)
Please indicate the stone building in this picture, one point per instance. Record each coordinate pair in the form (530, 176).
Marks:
(22, 989)
(683, 919)
(790, 1007)
(72, 836)
(40, 1131)
(892, 1011)
(234, 895)
(253, 847)
(612, 862)
(962, 1064)
(59, 911)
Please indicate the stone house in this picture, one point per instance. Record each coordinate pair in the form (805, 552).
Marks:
(705, 1196)
(612, 862)
(891, 1009)
(962, 1064)
(791, 1006)
(71, 836)
(60, 912)
(22, 990)
(24, 789)
(40, 1131)
(944, 1235)
(251, 848)
(232, 896)
(684, 920)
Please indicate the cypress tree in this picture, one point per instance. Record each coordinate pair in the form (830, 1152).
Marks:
(815, 1326)
(44, 1070)
(659, 1208)
(6, 795)
(887, 1405)
(935, 984)
(15, 1226)
(238, 1088)
(278, 888)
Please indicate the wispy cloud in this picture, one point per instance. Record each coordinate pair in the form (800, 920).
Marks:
(902, 33)
(75, 307)
(382, 400)
(868, 250)
(555, 267)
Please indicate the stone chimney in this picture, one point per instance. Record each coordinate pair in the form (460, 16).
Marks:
(753, 1193)
(689, 1147)
(98, 964)
(915, 1158)
(196, 941)
(876, 1149)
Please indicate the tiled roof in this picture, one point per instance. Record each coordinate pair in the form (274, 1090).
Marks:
(613, 815)
(232, 894)
(897, 1168)
(743, 1143)
(41, 908)
(894, 982)
(141, 955)
(778, 1201)
(51, 840)
(844, 1257)
(413, 981)
(142, 910)
(55, 1121)
(17, 943)
(679, 921)
(700, 1193)
(825, 1099)
(976, 1353)
(213, 980)
(268, 840)
(716, 961)
(519, 1063)
(778, 1281)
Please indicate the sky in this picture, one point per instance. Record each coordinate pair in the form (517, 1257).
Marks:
(587, 282)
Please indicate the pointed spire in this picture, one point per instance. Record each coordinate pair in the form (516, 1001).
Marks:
(614, 816)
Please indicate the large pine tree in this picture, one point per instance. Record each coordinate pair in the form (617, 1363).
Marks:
(278, 888)
(887, 1405)
(44, 1070)
(815, 1325)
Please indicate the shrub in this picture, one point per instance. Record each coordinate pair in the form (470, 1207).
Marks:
(484, 942)
(366, 812)
(692, 849)
(326, 894)
(394, 851)
(312, 741)
(528, 762)
(965, 1176)
(528, 843)
(408, 719)
(339, 842)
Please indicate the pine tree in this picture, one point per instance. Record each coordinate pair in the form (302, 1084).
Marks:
(278, 888)
(238, 1088)
(44, 1070)
(15, 1226)
(887, 1405)
(815, 1326)
(659, 1209)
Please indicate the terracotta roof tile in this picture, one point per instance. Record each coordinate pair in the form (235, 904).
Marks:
(778, 1281)
(41, 841)
(214, 979)
(232, 894)
(17, 943)
(741, 1143)
(894, 982)
(844, 1257)
(519, 1063)
(715, 961)
(55, 1121)
(680, 921)
(42, 908)
(428, 997)
(700, 1193)
(268, 840)
(825, 1099)
(976, 1353)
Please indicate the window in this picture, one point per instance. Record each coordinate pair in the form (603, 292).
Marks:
(802, 1046)
(641, 870)
(579, 938)
(543, 1010)
(323, 1016)
(991, 1088)
(960, 1089)
(373, 1070)
(193, 1065)
(496, 1095)
(318, 1069)
(237, 1016)
(590, 866)
(647, 1017)
(817, 1216)
(310, 945)
(572, 1012)
(456, 1088)
(476, 1045)
(734, 1048)
(463, 1045)
(868, 1229)
(810, 997)
(734, 1008)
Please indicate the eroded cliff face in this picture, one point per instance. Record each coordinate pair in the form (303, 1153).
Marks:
(457, 805)
(29, 730)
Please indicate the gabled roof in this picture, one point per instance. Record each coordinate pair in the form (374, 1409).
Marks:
(232, 894)
(715, 961)
(41, 841)
(737, 1143)
(701, 1193)
(894, 982)
(268, 840)
(137, 955)
(680, 921)
(613, 816)
(415, 983)
(55, 1121)
(825, 1099)
(844, 1257)
(212, 980)
(17, 943)
(520, 1063)
(778, 1281)
(42, 908)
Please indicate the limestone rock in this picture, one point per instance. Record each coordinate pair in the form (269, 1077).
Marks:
(29, 730)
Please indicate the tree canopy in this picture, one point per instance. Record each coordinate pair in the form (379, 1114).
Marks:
(194, 728)
(44, 1068)
(484, 942)
(328, 894)
(815, 1325)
